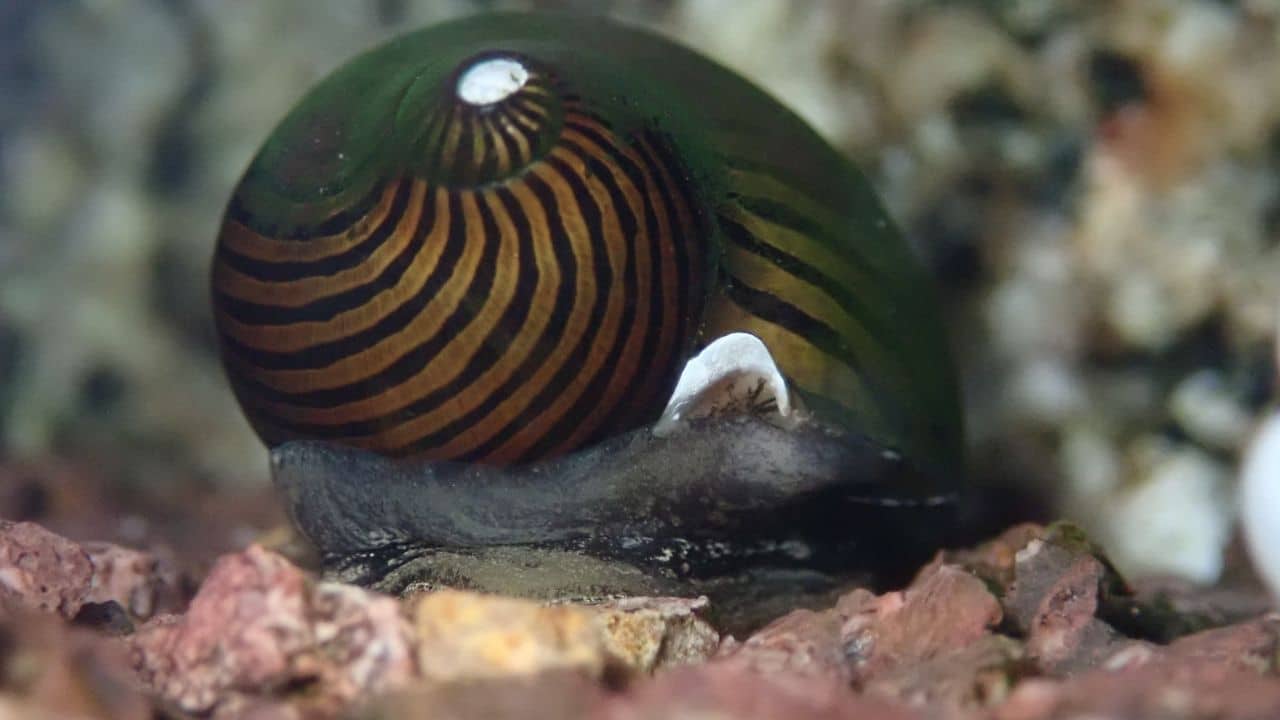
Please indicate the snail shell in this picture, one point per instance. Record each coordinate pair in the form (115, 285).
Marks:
(498, 241)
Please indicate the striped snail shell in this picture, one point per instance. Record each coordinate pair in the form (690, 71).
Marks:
(499, 240)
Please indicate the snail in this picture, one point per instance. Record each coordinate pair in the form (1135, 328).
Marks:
(459, 284)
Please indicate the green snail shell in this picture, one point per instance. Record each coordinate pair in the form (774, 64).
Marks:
(511, 268)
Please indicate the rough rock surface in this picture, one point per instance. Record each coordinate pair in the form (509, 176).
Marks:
(465, 635)
(261, 625)
(1034, 625)
(1054, 602)
(930, 644)
(653, 633)
(461, 635)
(43, 571)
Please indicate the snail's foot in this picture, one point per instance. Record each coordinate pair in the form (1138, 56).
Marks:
(736, 493)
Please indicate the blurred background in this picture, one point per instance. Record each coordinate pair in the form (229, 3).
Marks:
(1094, 185)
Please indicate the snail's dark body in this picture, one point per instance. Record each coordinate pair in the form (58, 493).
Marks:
(733, 508)
(509, 271)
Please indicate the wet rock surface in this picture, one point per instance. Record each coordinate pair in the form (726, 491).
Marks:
(1032, 625)
(261, 627)
(92, 582)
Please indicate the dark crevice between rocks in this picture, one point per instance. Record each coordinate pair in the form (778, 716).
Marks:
(1206, 345)
(1247, 372)
(952, 230)
(986, 510)
(1029, 30)
(101, 390)
(989, 107)
(1153, 617)
(105, 617)
(27, 500)
(1271, 214)
(21, 71)
(1057, 187)
(1116, 80)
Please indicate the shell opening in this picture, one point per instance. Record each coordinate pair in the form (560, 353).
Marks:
(491, 80)
(735, 374)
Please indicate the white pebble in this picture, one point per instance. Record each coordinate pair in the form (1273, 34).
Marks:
(1141, 311)
(1204, 406)
(1047, 390)
(1088, 461)
(1176, 521)
(1260, 501)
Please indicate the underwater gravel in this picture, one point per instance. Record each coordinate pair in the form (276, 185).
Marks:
(1094, 185)
(1031, 625)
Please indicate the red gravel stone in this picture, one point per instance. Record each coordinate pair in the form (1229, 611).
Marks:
(258, 626)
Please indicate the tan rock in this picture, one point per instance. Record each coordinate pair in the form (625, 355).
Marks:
(465, 635)
(651, 633)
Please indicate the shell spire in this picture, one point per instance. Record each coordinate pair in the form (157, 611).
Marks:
(499, 114)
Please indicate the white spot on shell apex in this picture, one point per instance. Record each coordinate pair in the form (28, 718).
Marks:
(491, 80)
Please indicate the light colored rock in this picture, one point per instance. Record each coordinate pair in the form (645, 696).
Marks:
(45, 175)
(465, 635)
(1204, 406)
(140, 64)
(462, 635)
(1090, 459)
(1260, 502)
(41, 570)
(921, 86)
(796, 72)
(1047, 390)
(654, 633)
(1175, 519)
(1139, 309)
